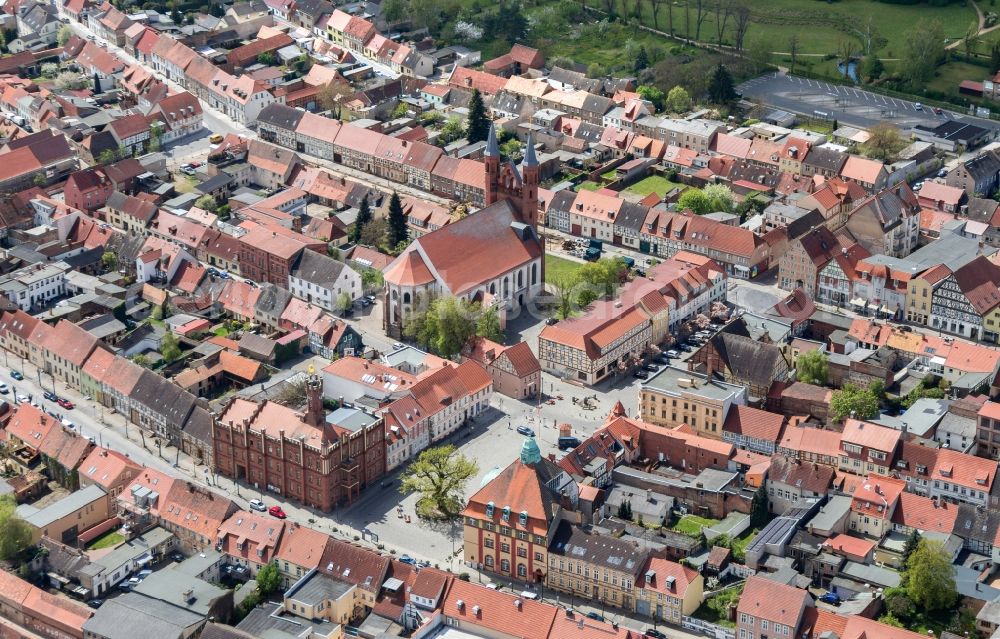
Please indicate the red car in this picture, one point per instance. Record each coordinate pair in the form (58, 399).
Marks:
(276, 511)
(65, 403)
(195, 165)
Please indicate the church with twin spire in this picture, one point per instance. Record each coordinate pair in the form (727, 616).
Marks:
(493, 256)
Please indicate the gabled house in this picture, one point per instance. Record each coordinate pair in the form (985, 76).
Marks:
(887, 222)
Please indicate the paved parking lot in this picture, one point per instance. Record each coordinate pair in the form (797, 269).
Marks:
(848, 105)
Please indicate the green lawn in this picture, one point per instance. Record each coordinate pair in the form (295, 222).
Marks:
(740, 544)
(821, 26)
(589, 186)
(715, 609)
(948, 76)
(653, 183)
(691, 525)
(221, 331)
(557, 268)
(109, 539)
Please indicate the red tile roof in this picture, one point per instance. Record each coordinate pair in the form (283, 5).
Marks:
(853, 547)
(106, 468)
(754, 423)
(870, 435)
(925, 514)
(302, 546)
(776, 602)
(498, 612)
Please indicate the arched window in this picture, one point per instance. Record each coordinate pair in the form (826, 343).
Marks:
(493, 288)
(488, 561)
(520, 278)
(406, 298)
(534, 274)
(395, 295)
(522, 570)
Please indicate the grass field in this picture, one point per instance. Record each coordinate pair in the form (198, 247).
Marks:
(107, 540)
(691, 525)
(821, 26)
(654, 183)
(588, 185)
(557, 268)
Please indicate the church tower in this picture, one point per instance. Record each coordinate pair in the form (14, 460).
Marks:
(529, 188)
(491, 159)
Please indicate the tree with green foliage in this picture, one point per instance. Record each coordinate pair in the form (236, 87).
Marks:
(884, 143)
(564, 287)
(759, 507)
(625, 510)
(343, 303)
(720, 198)
(207, 202)
(995, 58)
(923, 51)
(398, 232)
(890, 619)
(64, 34)
(268, 579)
(812, 367)
(695, 201)
(364, 217)
(39, 179)
(488, 325)
(604, 275)
(721, 89)
(109, 260)
(452, 130)
(155, 136)
(374, 233)
(478, 126)
(394, 10)
(641, 60)
(678, 100)
(107, 156)
(141, 360)
(169, 347)
(912, 542)
(444, 327)
(929, 578)
(511, 150)
(15, 533)
(439, 476)
(267, 58)
(853, 401)
(653, 94)
(371, 279)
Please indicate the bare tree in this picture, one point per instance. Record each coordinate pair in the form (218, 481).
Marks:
(609, 7)
(687, 20)
(670, 16)
(868, 32)
(741, 23)
(699, 18)
(638, 11)
(332, 96)
(655, 6)
(969, 39)
(793, 49)
(847, 50)
(723, 11)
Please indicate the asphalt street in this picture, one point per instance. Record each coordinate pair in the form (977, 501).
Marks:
(848, 105)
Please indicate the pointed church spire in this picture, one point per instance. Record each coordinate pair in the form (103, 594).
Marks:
(529, 152)
(492, 148)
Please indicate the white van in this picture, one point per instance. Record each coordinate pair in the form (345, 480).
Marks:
(527, 594)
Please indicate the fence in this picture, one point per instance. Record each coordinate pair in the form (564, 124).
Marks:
(708, 628)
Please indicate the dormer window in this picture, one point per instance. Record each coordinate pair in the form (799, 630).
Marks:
(489, 509)
(523, 518)
(506, 514)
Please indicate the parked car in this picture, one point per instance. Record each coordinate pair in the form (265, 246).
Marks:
(942, 173)
(654, 633)
(652, 368)
(3, 389)
(23, 399)
(640, 374)
(549, 321)
(527, 594)
(215, 138)
(258, 505)
(49, 395)
(95, 603)
(673, 354)
(276, 511)
(684, 347)
(595, 616)
(830, 598)
(524, 430)
(16, 375)
(406, 559)
(65, 403)
(938, 111)
(918, 106)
